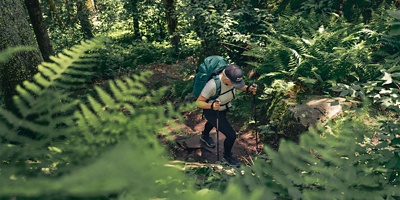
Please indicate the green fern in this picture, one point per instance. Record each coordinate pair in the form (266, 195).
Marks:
(316, 54)
(65, 73)
(44, 103)
(335, 163)
(96, 147)
(6, 54)
(130, 96)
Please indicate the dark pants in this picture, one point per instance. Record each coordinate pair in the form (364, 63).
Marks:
(223, 125)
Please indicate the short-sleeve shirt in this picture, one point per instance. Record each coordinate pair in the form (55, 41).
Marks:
(210, 89)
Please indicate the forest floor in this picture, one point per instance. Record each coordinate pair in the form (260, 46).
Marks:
(186, 145)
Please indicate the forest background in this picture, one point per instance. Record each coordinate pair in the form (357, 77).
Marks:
(77, 120)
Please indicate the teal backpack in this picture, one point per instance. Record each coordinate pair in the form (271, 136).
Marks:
(209, 69)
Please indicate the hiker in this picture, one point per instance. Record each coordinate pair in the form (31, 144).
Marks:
(231, 78)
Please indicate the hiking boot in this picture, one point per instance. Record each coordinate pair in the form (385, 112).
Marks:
(231, 161)
(208, 141)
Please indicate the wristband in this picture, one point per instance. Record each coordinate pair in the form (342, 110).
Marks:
(212, 105)
(247, 89)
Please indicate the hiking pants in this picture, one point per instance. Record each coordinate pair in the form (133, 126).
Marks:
(223, 125)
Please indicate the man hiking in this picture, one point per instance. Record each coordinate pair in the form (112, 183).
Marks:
(215, 109)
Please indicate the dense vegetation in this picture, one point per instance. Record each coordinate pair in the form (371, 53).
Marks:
(86, 126)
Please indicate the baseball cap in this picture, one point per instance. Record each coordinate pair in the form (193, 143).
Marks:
(235, 75)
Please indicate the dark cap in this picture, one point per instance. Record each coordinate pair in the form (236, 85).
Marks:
(235, 74)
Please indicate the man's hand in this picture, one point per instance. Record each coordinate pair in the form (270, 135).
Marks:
(253, 88)
(215, 105)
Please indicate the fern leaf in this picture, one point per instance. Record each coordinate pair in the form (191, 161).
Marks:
(105, 97)
(323, 164)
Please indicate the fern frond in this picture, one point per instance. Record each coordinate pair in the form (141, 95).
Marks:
(44, 104)
(7, 53)
(51, 76)
(337, 164)
(111, 110)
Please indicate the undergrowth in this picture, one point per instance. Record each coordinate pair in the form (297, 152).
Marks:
(105, 145)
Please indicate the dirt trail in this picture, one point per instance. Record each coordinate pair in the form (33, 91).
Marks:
(189, 148)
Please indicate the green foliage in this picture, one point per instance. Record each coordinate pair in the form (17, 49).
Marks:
(336, 161)
(383, 92)
(125, 56)
(86, 148)
(112, 17)
(395, 24)
(383, 89)
(112, 173)
(211, 177)
(217, 27)
(322, 7)
(313, 54)
(6, 54)
(45, 102)
(71, 141)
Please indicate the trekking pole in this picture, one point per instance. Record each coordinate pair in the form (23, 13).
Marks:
(217, 127)
(254, 115)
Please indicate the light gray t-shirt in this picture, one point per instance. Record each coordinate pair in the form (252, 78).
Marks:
(210, 89)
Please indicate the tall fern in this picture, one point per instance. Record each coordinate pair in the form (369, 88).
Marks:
(44, 105)
(101, 145)
(334, 163)
(315, 54)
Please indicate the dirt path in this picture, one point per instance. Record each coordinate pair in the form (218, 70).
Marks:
(188, 147)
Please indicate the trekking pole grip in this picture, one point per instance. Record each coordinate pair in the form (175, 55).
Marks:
(255, 86)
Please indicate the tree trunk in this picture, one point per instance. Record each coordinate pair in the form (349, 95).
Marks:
(83, 13)
(39, 27)
(15, 31)
(91, 6)
(172, 24)
(135, 12)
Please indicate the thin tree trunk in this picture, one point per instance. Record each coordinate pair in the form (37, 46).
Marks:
(91, 7)
(15, 31)
(84, 18)
(135, 12)
(172, 24)
(39, 27)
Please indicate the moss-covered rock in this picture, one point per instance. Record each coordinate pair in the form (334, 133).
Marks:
(292, 119)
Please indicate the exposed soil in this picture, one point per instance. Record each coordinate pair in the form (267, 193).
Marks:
(188, 147)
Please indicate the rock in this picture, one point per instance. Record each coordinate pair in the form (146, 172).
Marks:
(311, 111)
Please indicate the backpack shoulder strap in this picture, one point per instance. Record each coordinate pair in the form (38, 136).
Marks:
(217, 81)
(230, 90)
